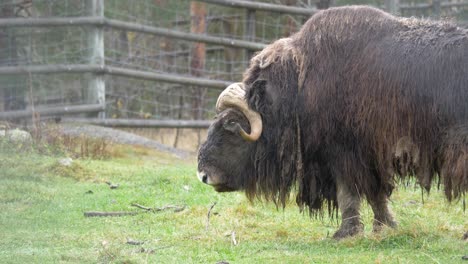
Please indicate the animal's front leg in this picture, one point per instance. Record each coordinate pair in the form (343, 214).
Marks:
(349, 204)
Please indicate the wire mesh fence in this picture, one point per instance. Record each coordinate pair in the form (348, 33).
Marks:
(40, 91)
(43, 8)
(135, 98)
(146, 52)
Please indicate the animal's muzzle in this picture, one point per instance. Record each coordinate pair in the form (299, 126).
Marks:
(202, 176)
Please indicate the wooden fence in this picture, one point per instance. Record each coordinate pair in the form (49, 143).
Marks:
(96, 23)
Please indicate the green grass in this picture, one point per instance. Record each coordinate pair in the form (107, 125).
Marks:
(42, 205)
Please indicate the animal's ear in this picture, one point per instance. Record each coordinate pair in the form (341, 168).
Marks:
(256, 94)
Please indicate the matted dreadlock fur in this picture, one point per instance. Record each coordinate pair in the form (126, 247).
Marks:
(452, 162)
(358, 80)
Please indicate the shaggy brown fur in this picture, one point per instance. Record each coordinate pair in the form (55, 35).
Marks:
(360, 80)
(452, 161)
(406, 157)
(338, 95)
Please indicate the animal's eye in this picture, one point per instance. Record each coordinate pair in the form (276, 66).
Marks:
(229, 122)
(230, 126)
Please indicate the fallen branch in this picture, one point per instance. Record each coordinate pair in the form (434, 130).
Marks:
(158, 209)
(123, 213)
(111, 185)
(134, 242)
(175, 207)
(141, 207)
(105, 214)
(208, 216)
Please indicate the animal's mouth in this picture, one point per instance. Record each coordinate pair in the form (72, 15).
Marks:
(202, 176)
(207, 178)
(213, 181)
(223, 188)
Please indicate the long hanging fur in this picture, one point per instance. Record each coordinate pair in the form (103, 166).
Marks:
(276, 152)
(452, 162)
(358, 80)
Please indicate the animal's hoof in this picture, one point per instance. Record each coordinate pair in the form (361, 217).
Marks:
(348, 231)
(379, 225)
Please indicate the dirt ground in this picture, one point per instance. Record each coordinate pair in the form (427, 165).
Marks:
(181, 142)
(184, 145)
(188, 139)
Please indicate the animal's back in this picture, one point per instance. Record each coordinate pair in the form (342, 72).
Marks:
(377, 78)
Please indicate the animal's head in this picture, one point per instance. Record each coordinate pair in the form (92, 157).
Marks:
(226, 155)
(250, 119)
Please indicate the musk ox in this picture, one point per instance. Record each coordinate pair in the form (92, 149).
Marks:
(320, 113)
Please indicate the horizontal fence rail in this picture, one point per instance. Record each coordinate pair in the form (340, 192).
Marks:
(60, 110)
(164, 50)
(117, 71)
(422, 6)
(292, 10)
(117, 24)
(142, 123)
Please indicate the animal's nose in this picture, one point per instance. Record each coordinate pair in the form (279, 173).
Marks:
(202, 176)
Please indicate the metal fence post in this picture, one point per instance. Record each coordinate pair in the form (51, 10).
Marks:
(250, 31)
(96, 93)
(392, 6)
(436, 9)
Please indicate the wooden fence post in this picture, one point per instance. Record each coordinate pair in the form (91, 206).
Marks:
(96, 93)
(12, 89)
(228, 52)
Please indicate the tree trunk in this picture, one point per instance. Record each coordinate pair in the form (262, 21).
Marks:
(291, 25)
(197, 63)
(198, 26)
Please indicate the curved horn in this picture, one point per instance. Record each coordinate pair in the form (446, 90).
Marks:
(234, 96)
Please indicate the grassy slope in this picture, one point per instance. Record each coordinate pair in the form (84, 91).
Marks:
(42, 205)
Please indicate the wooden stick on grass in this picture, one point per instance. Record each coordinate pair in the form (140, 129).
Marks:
(123, 213)
(104, 214)
(134, 242)
(208, 216)
(156, 209)
(142, 207)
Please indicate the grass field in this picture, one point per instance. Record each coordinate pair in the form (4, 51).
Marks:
(42, 205)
